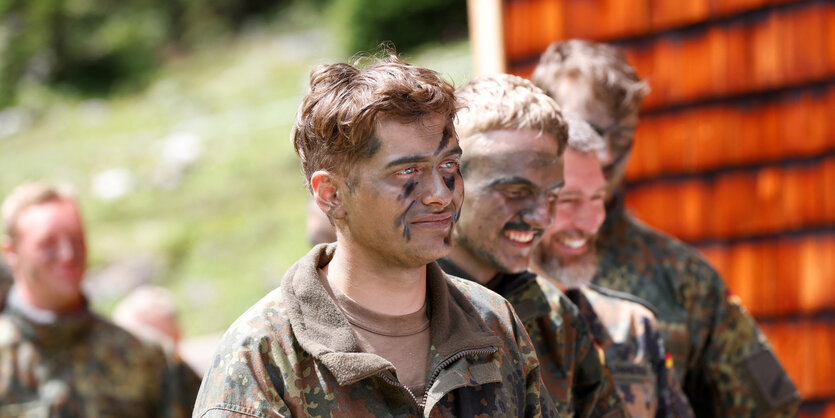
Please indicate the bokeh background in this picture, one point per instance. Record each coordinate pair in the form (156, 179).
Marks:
(171, 118)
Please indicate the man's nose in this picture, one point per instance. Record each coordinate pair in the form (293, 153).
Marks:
(65, 250)
(439, 190)
(540, 214)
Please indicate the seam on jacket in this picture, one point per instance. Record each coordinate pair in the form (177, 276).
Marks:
(233, 408)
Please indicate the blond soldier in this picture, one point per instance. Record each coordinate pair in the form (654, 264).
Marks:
(57, 358)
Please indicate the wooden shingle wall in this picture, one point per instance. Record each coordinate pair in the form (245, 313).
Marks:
(735, 151)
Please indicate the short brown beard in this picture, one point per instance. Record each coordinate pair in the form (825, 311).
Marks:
(578, 272)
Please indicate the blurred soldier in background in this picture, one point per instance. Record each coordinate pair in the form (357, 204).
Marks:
(149, 312)
(513, 136)
(57, 358)
(721, 357)
(622, 324)
(370, 325)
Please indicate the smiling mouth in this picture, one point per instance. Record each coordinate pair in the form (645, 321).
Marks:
(434, 222)
(521, 237)
(573, 243)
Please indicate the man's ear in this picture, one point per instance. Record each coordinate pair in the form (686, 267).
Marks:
(9, 252)
(326, 193)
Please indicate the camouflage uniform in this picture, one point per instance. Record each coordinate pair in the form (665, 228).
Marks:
(6, 281)
(183, 384)
(294, 353)
(76, 365)
(571, 366)
(725, 363)
(625, 326)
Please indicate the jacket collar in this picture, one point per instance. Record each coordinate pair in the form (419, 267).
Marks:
(45, 328)
(520, 289)
(322, 329)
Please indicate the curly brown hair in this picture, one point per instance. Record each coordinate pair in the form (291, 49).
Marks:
(336, 121)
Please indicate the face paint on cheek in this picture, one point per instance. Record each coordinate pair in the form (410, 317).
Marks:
(455, 216)
(449, 181)
(408, 188)
(401, 221)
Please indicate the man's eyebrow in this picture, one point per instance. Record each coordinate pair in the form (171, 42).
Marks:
(419, 158)
(409, 159)
(456, 150)
(514, 180)
(559, 185)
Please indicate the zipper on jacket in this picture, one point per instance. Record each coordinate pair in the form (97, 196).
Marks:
(397, 383)
(447, 362)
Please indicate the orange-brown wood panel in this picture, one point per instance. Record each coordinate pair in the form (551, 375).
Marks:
(830, 38)
(582, 18)
(708, 137)
(738, 204)
(779, 277)
(771, 51)
(727, 7)
(803, 36)
(667, 14)
(810, 365)
(828, 181)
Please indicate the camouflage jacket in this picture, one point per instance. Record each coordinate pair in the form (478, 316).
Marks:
(75, 366)
(720, 356)
(625, 326)
(570, 361)
(294, 353)
(6, 281)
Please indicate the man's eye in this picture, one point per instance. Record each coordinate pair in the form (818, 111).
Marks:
(515, 194)
(407, 171)
(452, 164)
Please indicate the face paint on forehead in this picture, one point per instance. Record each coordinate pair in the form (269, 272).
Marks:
(372, 147)
(511, 161)
(444, 140)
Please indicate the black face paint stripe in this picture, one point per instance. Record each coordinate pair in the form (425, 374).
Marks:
(449, 181)
(444, 141)
(408, 188)
(402, 221)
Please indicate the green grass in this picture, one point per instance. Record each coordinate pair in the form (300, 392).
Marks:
(225, 236)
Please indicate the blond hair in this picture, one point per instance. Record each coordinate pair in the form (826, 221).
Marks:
(582, 137)
(337, 118)
(26, 195)
(504, 101)
(613, 80)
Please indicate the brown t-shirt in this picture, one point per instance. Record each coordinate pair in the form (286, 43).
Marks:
(401, 339)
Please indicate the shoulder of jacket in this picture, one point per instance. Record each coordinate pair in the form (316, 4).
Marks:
(625, 298)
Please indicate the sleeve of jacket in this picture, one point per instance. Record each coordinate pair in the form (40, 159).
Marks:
(241, 382)
(538, 402)
(595, 394)
(735, 373)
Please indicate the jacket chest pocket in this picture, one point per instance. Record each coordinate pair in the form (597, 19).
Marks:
(637, 386)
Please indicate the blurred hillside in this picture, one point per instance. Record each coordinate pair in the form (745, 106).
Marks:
(191, 182)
